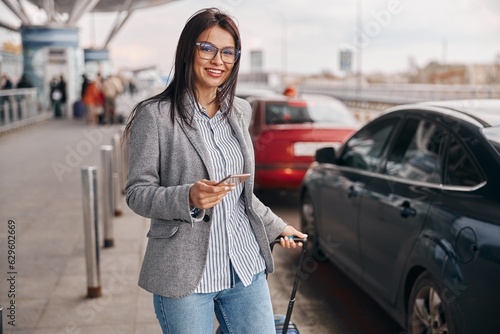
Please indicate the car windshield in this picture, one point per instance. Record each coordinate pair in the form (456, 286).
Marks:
(299, 111)
(493, 136)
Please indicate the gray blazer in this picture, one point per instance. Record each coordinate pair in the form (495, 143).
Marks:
(165, 160)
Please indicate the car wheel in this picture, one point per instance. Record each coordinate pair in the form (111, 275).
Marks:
(307, 221)
(428, 313)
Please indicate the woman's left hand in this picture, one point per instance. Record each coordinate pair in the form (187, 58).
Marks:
(286, 241)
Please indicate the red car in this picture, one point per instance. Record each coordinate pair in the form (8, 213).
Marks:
(286, 132)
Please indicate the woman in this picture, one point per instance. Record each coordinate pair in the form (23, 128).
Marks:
(208, 245)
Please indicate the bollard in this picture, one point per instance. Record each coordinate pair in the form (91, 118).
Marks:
(91, 230)
(125, 157)
(107, 193)
(117, 172)
(1, 319)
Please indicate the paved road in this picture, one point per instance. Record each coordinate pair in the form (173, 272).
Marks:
(328, 302)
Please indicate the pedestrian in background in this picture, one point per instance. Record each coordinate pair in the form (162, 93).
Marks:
(5, 104)
(209, 244)
(132, 88)
(24, 82)
(111, 88)
(6, 82)
(85, 84)
(61, 86)
(93, 100)
(55, 97)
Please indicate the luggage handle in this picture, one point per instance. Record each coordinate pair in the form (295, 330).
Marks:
(296, 281)
(277, 241)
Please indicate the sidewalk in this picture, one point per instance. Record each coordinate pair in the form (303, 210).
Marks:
(41, 202)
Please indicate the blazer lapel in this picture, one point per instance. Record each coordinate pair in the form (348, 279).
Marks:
(238, 126)
(196, 140)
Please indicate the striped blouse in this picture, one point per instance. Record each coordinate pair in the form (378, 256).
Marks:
(232, 242)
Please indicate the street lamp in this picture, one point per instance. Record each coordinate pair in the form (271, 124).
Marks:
(359, 19)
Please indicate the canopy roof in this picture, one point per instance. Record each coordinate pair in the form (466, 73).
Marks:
(75, 9)
(68, 6)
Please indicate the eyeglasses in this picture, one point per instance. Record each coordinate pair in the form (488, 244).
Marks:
(209, 51)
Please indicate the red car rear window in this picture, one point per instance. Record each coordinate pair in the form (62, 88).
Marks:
(298, 112)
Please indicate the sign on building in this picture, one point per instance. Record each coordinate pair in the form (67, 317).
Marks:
(346, 60)
(256, 61)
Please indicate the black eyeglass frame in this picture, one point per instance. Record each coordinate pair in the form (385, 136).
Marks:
(236, 52)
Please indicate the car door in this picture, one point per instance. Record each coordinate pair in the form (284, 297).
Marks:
(395, 203)
(340, 189)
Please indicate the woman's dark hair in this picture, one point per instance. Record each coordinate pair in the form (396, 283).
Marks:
(183, 79)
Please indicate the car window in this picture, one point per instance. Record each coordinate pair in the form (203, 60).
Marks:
(364, 149)
(416, 154)
(493, 136)
(284, 113)
(297, 112)
(461, 169)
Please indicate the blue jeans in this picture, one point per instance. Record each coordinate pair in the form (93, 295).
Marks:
(239, 310)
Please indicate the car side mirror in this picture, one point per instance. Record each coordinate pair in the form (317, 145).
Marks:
(325, 155)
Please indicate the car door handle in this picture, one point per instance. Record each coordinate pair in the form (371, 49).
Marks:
(405, 210)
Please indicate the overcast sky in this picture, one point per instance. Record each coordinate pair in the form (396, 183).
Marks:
(305, 36)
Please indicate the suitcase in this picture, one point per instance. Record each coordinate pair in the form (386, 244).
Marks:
(78, 109)
(282, 322)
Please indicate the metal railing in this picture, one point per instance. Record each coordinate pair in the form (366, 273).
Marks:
(402, 93)
(19, 107)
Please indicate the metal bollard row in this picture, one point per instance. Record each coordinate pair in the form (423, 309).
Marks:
(114, 171)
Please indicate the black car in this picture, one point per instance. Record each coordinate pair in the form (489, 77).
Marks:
(409, 208)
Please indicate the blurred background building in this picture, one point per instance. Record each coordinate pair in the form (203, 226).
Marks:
(49, 46)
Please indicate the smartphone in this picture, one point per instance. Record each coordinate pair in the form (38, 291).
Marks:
(234, 179)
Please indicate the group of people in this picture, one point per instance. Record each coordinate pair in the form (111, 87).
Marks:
(6, 103)
(7, 83)
(99, 98)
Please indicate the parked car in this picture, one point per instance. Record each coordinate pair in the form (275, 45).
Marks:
(409, 208)
(247, 91)
(287, 131)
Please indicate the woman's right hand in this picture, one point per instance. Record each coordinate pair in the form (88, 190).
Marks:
(205, 194)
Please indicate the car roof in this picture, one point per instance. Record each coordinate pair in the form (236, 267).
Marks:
(301, 97)
(485, 111)
(246, 92)
(482, 113)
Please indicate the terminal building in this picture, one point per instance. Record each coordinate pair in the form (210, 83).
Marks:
(42, 51)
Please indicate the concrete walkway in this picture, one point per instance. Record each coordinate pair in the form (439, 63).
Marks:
(41, 205)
